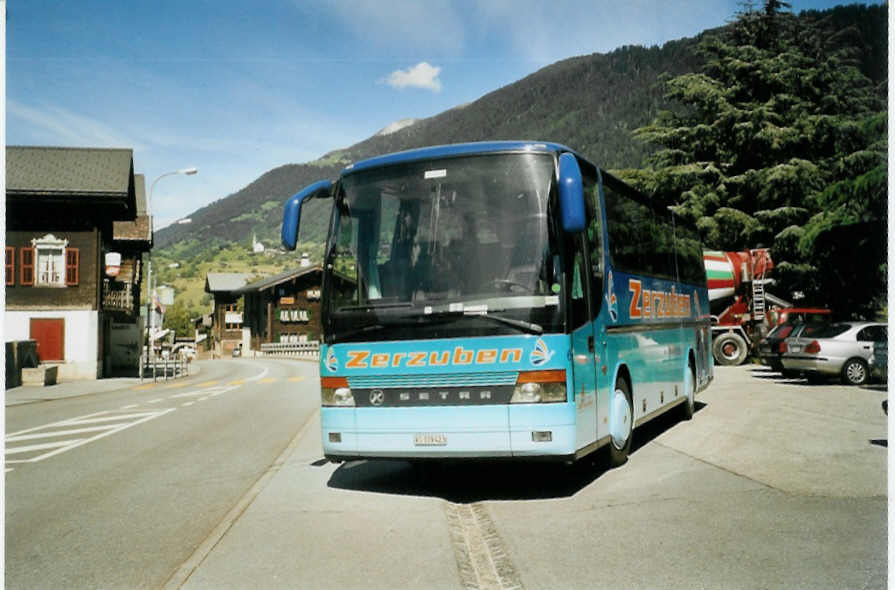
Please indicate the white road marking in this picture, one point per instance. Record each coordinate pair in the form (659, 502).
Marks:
(259, 375)
(112, 418)
(56, 433)
(155, 401)
(40, 447)
(210, 390)
(187, 404)
(130, 407)
(112, 423)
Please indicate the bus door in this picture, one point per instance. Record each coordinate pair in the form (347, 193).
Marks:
(586, 301)
(584, 347)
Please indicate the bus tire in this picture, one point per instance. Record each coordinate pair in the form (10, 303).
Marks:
(729, 349)
(621, 424)
(688, 408)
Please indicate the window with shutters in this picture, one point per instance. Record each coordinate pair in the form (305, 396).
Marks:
(26, 266)
(53, 260)
(72, 259)
(10, 265)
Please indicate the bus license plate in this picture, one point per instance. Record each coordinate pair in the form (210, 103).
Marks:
(430, 439)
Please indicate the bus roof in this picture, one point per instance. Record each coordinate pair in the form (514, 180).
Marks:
(456, 149)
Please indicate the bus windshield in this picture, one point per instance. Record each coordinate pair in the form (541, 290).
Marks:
(447, 247)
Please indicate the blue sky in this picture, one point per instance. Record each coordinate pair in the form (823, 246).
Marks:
(236, 88)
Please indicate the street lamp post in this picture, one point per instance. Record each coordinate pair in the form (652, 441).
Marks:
(149, 347)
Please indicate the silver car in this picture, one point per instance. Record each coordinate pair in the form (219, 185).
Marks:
(840, 349)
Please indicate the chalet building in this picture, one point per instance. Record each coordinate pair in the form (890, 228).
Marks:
(76, 230)
(226, 319)
(284, 307)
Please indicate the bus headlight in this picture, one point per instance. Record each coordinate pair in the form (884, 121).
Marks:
(334, 391)
(534, 387)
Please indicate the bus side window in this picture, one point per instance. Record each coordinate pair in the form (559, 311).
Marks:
(578, 310)
(594, 239)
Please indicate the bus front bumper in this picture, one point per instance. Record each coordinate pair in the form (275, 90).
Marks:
(499, 431)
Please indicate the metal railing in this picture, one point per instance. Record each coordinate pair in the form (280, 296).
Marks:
(297, 350)
(171, 366)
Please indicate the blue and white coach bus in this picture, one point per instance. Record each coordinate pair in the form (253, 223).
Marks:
(505, 299)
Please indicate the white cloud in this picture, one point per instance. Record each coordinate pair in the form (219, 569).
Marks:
(422, 75)
(58, 126)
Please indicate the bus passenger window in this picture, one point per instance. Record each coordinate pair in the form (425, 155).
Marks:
(578, 313)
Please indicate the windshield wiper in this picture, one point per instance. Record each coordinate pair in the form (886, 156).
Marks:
(529, 327)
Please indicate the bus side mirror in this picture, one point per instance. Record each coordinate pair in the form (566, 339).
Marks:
(571, 195)
(292, 211)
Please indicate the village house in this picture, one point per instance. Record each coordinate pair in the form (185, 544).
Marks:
(284, 307)
(76, 231)
(226, 319)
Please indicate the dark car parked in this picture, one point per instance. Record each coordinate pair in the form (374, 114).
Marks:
(770, 349)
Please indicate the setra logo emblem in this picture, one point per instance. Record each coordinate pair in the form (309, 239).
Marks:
(377, 397)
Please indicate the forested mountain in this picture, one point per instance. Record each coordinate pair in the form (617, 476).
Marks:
(645, 112)
(590, 103)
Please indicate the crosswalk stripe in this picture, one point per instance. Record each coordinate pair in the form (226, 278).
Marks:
(107, 418)
(50, 433)
(57, 447)
(41, 447)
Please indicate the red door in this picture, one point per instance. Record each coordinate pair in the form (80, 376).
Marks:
(50, 336)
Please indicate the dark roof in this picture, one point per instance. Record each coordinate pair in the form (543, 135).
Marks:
(140, 229)
(140, 193)
(137, 230)
(59, 171)
(283, 277)
(227, 282)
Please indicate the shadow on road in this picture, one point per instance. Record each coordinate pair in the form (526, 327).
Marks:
(768, 374)
(476, 481)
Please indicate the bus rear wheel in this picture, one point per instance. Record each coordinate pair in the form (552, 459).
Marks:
(621, 424)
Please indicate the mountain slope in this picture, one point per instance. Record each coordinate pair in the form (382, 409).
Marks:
(590, 103)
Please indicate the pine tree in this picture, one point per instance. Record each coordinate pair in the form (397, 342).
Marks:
(779, 141)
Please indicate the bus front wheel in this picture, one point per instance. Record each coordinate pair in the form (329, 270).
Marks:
(621, 424)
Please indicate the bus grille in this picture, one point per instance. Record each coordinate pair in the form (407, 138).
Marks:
(422, 381)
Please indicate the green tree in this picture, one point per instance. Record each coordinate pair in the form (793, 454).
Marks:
(177, 318)
(779, 141)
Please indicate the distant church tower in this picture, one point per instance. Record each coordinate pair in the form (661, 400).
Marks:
(257, 247)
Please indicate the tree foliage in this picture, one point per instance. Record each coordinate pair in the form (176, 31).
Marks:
(780, 140)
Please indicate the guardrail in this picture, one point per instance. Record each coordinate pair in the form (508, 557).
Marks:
(296, 350)
(164, 366)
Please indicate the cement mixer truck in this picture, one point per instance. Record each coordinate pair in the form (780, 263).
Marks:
(738, 301)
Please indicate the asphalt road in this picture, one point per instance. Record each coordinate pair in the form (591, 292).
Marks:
(773, 484)
(116, 489)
